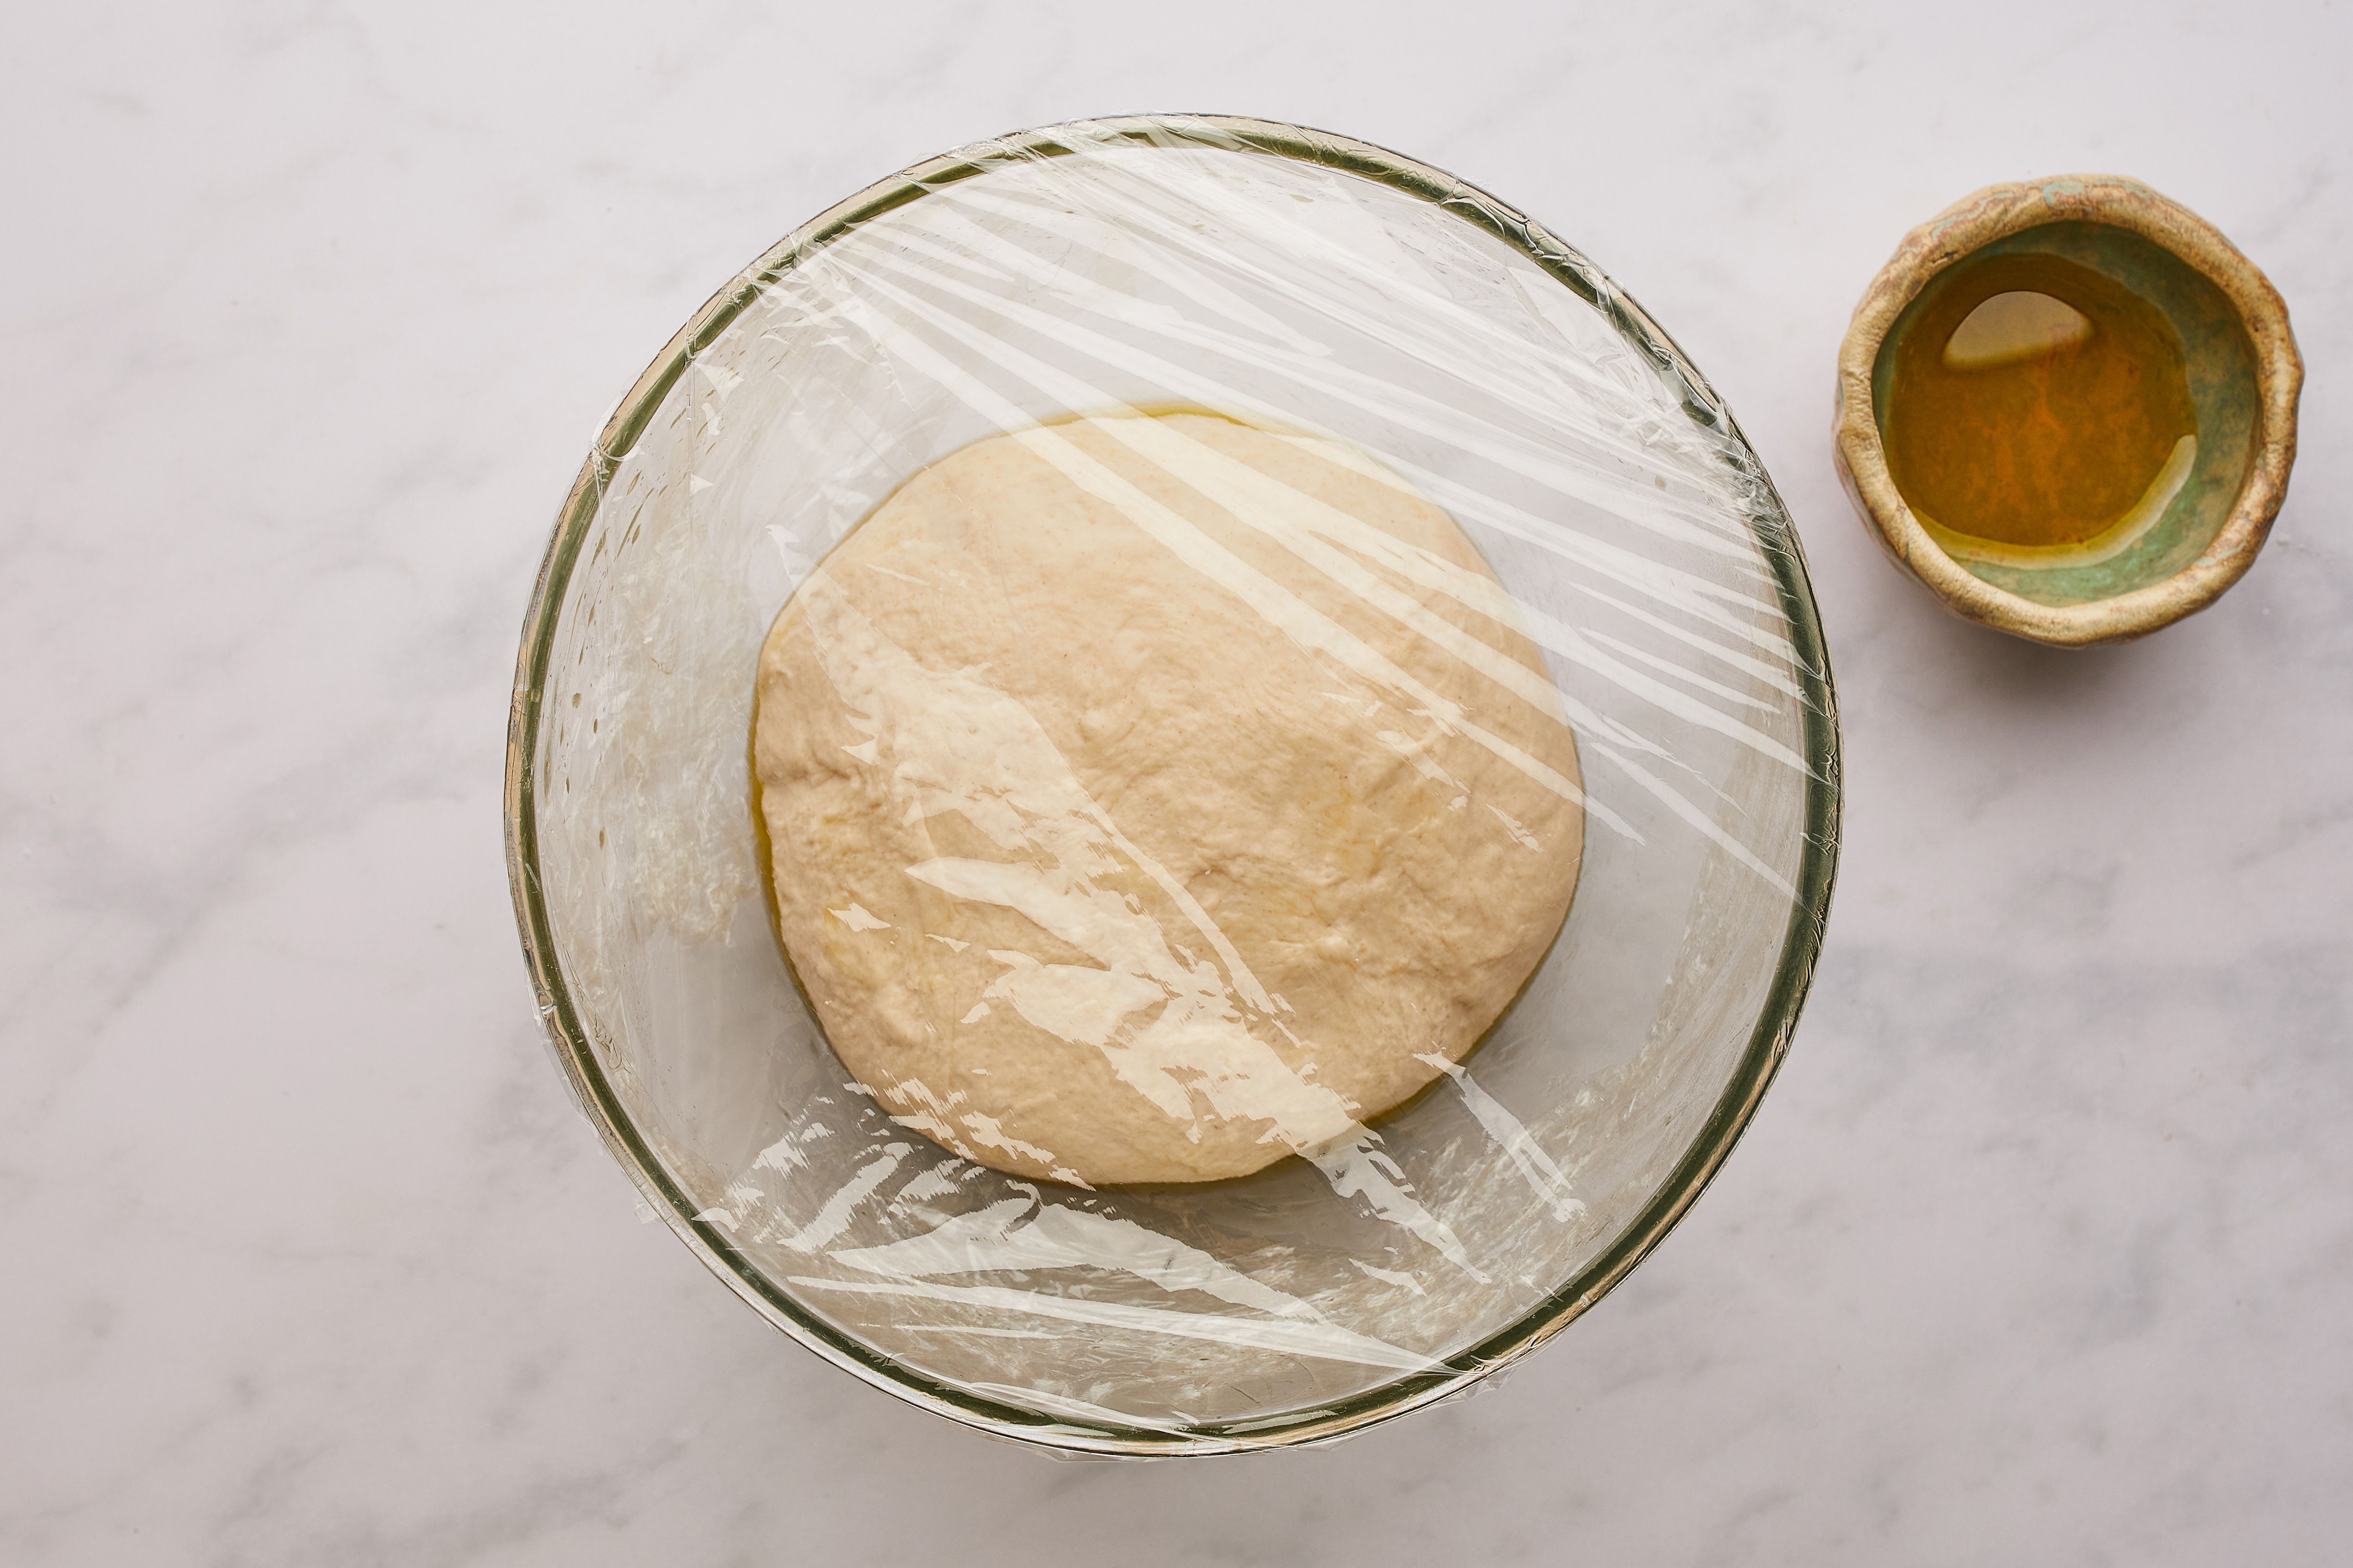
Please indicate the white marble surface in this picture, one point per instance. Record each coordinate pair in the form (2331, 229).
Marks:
(2040, 1249)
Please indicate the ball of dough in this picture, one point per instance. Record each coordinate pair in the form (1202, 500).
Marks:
(1152, 797)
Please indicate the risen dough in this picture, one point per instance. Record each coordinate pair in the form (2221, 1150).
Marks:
(1152, 797)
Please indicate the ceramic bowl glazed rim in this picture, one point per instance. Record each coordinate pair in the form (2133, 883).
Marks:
(1961, 230)
(1768, 1041)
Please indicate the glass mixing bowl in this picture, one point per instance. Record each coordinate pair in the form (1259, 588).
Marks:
(1308, 284)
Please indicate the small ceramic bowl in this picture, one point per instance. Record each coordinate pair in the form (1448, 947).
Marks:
(2244, 378)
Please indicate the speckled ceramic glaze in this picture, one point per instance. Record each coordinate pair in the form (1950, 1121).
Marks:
(2244, 378)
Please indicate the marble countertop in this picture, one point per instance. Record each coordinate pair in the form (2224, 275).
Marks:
(2040, 1250)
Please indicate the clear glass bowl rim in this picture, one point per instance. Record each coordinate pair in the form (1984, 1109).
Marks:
(1769, 1043)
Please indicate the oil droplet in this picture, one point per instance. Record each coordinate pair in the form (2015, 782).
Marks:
(2039, 413)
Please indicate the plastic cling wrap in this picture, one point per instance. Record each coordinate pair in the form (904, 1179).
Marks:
(1316, 417)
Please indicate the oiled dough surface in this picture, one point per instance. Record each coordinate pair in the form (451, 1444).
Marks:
(1154, 797)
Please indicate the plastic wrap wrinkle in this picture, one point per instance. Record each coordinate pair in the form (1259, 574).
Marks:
(1629, 536)
(1072, 393)
(1633, 503)
(959, 745)
(1303, 624)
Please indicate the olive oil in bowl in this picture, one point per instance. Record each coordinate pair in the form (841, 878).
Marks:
(2040, 413)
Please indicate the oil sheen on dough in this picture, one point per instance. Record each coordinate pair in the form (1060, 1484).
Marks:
(1155, 797)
